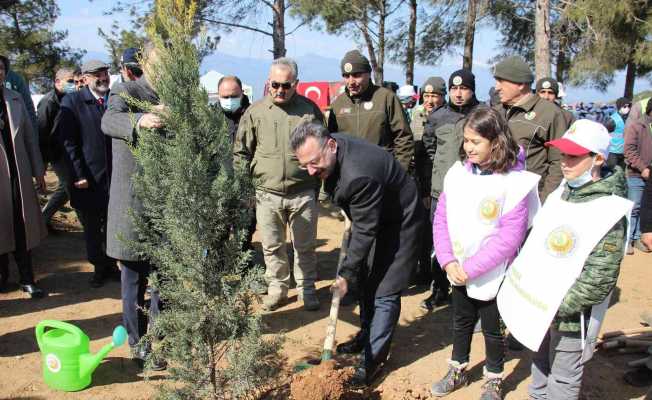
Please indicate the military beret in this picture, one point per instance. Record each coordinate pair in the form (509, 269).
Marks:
(513, 69)
(93, 66)
(462, 77)
(434, 84)
(354, 62)
(548, 83)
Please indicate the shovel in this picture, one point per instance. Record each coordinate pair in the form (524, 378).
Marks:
(327, 352)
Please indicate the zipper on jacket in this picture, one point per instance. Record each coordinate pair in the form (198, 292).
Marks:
(282, 154)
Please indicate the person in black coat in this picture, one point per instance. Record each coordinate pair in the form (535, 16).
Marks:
(382, 202)
(87, 154)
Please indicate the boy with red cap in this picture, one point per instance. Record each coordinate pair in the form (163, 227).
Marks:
(565, 272)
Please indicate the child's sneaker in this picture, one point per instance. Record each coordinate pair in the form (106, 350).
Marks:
(492, 389)
(454, 379)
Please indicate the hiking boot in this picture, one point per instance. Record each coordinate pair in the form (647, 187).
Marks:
(353, 346)
(454, 379)
(273, 301)
(641, 246)
(310, 301)
(492, 389)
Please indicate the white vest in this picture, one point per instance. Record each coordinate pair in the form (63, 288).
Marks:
(474, 205)
(550, 262)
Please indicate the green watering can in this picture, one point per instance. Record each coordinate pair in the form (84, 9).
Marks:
(67, 361)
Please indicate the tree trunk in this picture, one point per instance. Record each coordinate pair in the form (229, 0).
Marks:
(469, 36)
(542, 39)
(382, 16)
(630, 78)
(409, 55)
(371, 49)
(278, 29)
(562, 61)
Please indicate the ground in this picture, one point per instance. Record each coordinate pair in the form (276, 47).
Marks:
(421, 345)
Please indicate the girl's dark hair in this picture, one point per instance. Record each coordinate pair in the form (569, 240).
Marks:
(492, 126)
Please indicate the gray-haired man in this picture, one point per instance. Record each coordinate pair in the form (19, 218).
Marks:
(285, 193)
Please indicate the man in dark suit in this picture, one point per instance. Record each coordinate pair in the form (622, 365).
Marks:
(120, 124)
(382, 202)
(86, 153)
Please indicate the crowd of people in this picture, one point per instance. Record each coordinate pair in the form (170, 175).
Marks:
(436, 187)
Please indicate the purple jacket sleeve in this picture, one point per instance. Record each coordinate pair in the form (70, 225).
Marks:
(502, 244)
(440, 235)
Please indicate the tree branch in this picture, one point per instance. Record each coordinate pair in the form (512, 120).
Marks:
(249, 28)
(305, 21)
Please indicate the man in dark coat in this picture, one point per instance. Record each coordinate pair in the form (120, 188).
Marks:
(48, 109)
(382, 202)
(120, 124)
(232, 101)
(87, 155)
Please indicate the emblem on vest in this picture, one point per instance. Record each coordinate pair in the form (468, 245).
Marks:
(561, 242)
(489, 210)
(345, 111)
(530, 116)
(368, 105)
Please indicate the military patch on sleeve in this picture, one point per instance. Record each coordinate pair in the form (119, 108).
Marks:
(610, 247)
(530, 116)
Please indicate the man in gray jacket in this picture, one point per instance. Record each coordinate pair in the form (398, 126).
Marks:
(121, 122)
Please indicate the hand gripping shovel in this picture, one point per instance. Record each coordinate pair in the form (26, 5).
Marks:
(327, 352)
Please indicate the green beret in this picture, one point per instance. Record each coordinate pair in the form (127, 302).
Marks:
(548, 83)
(434, 84)
(354, 62)
(513, 69)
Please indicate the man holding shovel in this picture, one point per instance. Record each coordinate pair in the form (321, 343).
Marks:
(382, 202)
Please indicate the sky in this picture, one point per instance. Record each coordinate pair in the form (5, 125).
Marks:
(82, 18)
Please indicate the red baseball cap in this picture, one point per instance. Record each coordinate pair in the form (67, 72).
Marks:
(583, 137)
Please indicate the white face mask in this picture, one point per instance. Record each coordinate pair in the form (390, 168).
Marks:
(230, 104)
(584, 178)
(624, 110)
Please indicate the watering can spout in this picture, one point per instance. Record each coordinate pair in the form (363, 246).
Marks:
(88, 362)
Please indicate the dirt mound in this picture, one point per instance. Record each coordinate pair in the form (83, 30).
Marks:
(323, 382)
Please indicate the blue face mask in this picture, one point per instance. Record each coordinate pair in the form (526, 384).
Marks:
(69, 88)
(230, 104)
(584, 178)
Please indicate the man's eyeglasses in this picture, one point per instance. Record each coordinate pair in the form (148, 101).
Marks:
(284, 85)
(315, 161)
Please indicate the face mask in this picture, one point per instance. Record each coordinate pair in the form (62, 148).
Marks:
(624, 110)
(584, 178)
(69, 88)
(230, 104)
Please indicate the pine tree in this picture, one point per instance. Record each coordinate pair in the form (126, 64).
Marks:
(193, 226)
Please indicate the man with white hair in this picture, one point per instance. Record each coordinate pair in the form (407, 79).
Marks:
(285, 193)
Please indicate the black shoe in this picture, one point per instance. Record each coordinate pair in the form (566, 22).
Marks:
(640, 377)
(34, 291)
(4, 277)
(437, 299)
(353, 346)
(364, 376)
(140, 355)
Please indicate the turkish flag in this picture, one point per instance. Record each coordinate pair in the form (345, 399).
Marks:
(315, 91)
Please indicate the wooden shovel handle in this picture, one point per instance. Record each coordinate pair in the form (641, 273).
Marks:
(332, 325)
(623, 332)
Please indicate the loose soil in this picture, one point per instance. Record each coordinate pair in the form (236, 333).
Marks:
(421, 344)
(323, 382)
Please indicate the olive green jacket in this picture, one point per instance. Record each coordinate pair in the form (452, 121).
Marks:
(601, 268)
(262, 144)
(533, 122)
(376, 116)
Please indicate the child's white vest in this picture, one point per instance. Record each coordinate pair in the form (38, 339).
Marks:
(563, 236)
(474, 205)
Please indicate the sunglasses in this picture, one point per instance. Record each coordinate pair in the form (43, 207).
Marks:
(284, 85)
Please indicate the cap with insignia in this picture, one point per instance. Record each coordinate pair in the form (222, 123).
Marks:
(354, 62)
(93, 66)
(434, 84)
(513, 69)
(462, 77)
(548, 83)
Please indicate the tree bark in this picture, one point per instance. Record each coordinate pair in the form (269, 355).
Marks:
(371, 49)
(469, 36)
(278, 29)
(630, 78)
(561, 64)
(542, 39)
(409, 55)
(382, 16)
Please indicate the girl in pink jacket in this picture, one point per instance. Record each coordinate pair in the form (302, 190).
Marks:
(480, 222)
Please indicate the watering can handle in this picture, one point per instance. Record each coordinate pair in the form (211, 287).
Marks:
(50, 323)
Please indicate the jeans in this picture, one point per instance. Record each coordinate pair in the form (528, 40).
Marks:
(465, 314)
(133, 285)
(274, 214)
(378, 319)
(635, 186)
(556, 368)
(60, 195)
